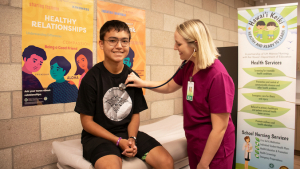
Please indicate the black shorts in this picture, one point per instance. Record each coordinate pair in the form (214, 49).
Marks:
(97, 147)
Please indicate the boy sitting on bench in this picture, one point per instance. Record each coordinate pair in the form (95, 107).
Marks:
(110, 116)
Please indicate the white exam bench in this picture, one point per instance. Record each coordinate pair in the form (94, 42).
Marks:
(169, 132)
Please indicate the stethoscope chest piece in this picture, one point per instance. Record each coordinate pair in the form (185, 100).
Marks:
(122, 86)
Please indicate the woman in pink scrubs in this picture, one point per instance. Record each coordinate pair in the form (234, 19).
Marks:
(208, 93)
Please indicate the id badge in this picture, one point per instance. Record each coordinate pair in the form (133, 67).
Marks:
(190, 91)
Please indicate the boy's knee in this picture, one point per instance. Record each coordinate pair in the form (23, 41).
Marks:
(108, 163)
(170, 160)
(109, 166)
(167, 161)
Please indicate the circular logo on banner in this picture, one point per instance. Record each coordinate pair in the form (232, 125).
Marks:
(117, 104)
(266, 30)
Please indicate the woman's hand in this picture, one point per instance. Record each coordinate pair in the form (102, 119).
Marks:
(137, 82)
(199, 166)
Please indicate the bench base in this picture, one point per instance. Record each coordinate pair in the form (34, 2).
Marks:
(177, 165)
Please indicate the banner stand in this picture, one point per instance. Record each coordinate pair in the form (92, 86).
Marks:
(267, 40)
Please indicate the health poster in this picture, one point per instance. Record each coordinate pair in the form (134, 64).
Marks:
(57, 45)
(135, 19)
(267, 43)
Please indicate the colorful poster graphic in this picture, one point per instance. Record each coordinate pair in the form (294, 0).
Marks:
(135, 19)
(57, 44)
(267, 87)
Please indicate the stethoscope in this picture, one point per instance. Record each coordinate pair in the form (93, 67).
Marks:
(122, 86)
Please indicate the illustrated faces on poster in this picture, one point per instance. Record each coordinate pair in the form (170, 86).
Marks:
(127, 62)
(271, 28)
(34, 63)
(260, 27)
(129, 58)
(82, 62)
(247, 140)
(57, 72)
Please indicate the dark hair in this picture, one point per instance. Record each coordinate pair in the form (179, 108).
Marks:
(62, 62)
(260, 23)
(89, 57)
(30, 50)
(247, 137)
(116, 25)
(272, 24)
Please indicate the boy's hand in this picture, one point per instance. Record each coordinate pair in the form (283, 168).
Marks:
(125, 146)
(132, 145)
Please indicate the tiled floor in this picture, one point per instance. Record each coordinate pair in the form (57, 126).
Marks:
(296, 163)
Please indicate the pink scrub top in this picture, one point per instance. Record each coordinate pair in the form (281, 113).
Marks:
(213, 93)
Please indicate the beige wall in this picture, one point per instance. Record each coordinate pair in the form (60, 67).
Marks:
(26, 133)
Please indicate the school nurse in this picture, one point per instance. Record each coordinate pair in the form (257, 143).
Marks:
(208, 125)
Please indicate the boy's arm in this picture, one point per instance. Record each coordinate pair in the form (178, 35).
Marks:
(133, 126)
(90, 126)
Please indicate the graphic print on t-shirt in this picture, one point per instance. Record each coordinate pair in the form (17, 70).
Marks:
(117, 104)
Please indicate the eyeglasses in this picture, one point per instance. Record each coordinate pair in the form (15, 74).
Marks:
(114, 42)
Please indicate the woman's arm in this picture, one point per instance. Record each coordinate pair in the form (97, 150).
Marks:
(219, 126)
(137, 82)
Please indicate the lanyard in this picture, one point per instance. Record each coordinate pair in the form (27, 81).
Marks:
(190, 90)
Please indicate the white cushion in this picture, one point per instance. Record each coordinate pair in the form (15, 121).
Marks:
(169, 132)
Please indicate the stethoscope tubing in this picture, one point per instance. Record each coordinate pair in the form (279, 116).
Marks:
(122, 86)
(180, 67)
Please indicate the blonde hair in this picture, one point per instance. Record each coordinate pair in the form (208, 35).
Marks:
(196, 31)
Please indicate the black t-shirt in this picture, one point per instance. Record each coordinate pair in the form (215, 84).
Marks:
(99, 96)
